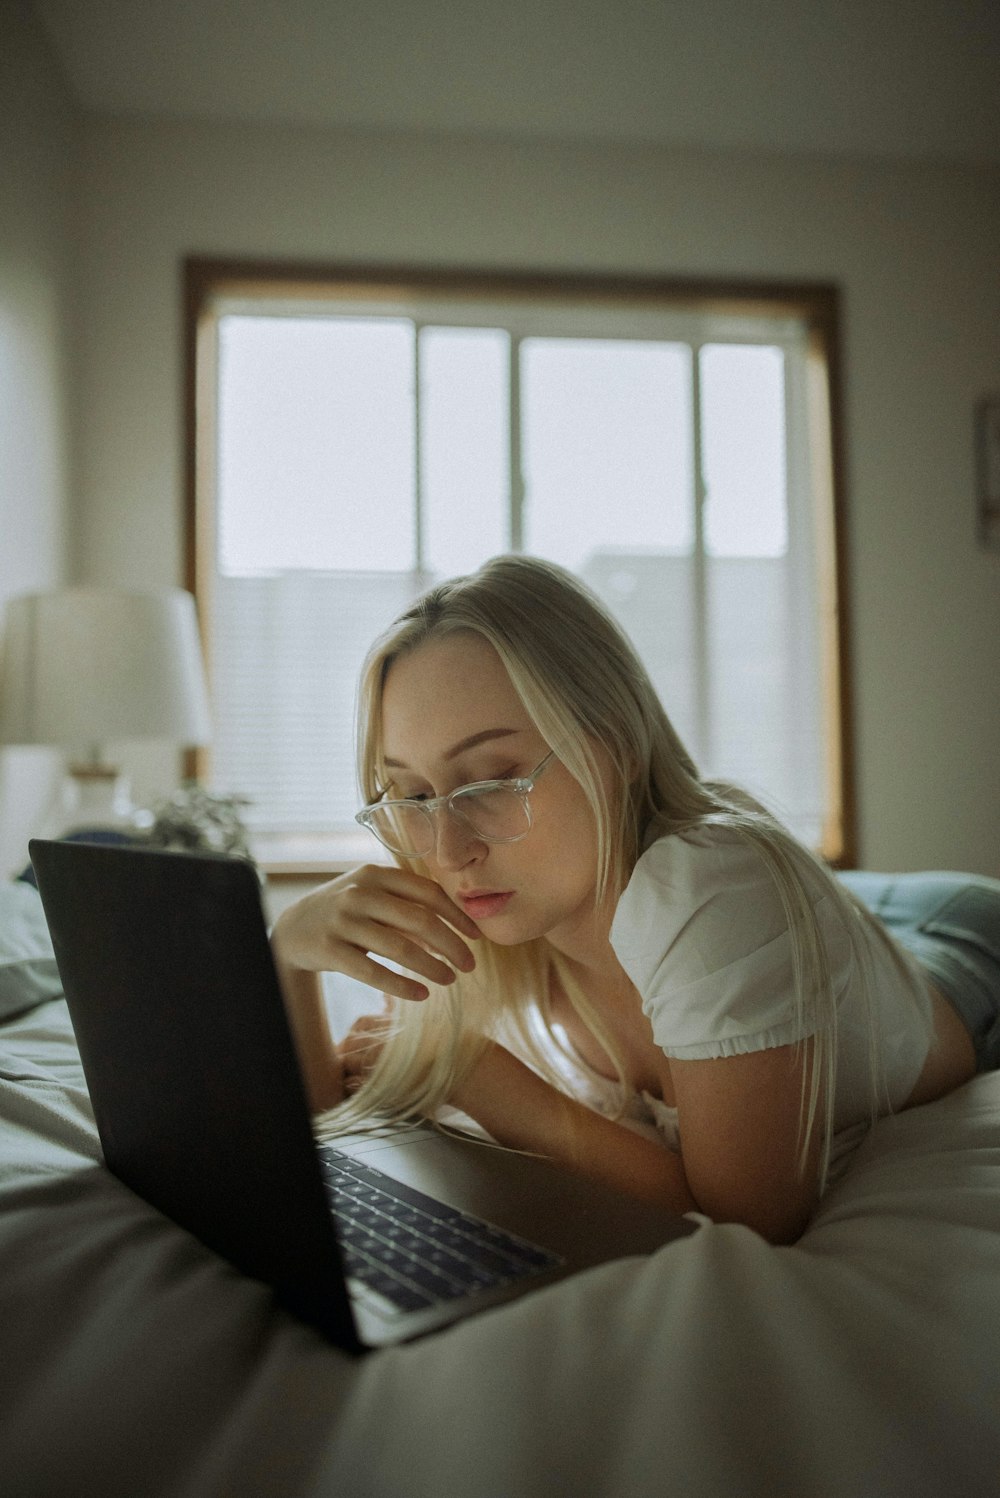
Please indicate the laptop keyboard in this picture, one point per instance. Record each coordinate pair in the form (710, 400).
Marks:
(406, 1248)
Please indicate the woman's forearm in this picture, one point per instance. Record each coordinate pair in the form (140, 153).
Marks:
(521, 1110)
(319, 1062)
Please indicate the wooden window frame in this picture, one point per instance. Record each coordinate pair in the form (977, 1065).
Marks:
(815, 305)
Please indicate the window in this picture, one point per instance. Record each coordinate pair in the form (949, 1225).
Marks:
(354, 438)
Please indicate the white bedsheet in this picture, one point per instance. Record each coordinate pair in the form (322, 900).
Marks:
(863, 1361)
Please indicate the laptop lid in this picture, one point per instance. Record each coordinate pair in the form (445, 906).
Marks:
(193, 995)
(199, 1102)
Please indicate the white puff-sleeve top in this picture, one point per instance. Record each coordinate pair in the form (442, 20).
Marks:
(702, 934)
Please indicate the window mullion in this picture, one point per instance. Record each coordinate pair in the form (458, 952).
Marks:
(699, 591)
(805, 663)
(516, 480)
(418, 457)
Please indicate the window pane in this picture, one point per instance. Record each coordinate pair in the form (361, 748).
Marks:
(606, 448)
(763, 707)
(316, 437)
(653, 598)
(287, 655)
(743, 450)
(465, 447)
(763, 717)
(608, 471)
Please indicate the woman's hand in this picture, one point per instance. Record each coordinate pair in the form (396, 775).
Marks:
(377, 911)
(344, 927)
(361, 1047)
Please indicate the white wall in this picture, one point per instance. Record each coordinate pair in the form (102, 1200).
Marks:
(912, 246)
(37, 132)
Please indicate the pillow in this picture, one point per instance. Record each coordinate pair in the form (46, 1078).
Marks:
(28, 972)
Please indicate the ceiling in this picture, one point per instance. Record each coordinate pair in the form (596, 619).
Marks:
(902, 78)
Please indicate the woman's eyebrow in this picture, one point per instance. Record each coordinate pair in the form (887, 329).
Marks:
(483, 737)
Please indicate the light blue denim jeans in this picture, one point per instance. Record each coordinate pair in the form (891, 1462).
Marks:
(951, 924)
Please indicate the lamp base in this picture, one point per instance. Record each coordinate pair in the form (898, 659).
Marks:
(93, 798)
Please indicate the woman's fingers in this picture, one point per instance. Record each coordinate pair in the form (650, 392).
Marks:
(386, 925)
(379, 912)
(380, 923)
(364, 969)
(421, 894)
(361, 1047)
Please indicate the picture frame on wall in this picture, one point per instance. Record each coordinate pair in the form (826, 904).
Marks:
(988, 472)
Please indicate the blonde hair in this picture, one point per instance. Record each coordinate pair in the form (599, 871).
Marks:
(581, 684)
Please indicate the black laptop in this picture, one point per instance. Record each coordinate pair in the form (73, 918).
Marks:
(193, 1076)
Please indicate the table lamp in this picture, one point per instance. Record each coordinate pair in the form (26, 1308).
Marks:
(84, 667)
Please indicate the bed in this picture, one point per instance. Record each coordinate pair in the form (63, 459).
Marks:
(865, 1360)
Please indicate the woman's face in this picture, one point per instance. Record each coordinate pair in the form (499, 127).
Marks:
(451, 716)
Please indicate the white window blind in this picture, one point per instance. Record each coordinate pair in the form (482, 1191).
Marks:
(363, 451)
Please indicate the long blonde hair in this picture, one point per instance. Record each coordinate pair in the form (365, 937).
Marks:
(581, 684)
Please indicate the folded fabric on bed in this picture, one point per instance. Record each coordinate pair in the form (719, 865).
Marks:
(28, 972)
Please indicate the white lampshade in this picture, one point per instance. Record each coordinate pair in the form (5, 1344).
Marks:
(86, 666)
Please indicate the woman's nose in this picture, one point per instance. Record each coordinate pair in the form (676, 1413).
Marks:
(455, 843)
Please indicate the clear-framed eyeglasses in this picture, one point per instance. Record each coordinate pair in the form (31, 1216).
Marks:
(498, 811)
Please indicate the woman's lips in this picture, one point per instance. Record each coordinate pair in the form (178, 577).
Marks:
(482, 906)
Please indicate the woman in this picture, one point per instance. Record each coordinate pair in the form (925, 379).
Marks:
(607, 960)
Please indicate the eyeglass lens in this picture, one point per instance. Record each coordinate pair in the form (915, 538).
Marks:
(498, 814)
